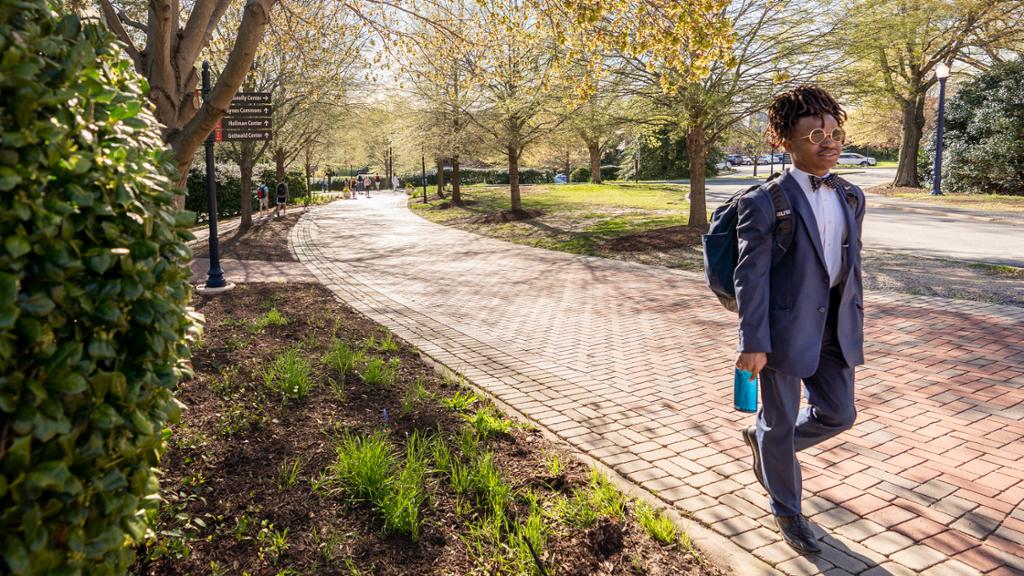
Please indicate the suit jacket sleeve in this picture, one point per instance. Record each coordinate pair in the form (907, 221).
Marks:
(754, 228)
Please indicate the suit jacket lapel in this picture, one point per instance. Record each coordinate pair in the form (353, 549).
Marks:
(851, 230)
(803, 208)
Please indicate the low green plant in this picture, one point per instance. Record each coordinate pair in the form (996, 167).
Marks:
(273, 317)
(240, 416)
(553, 464)
(387, 343)
(243, 524)
(363, 466)
(414, 394)
(272, 542)
(288, 473)
(486, 422)
(599, 499)
(460, 401)
(379, 372)
(656, 524)
(401, 506)
(493, 494)
(343, 357)
(290, 375)
(441, 454)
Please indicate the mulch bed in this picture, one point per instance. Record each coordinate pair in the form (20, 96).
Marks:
(224, 463)
(222, 476)
(669, 238)
(267, 241)
(505, 216)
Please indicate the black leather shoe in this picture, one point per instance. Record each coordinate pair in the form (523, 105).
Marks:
(750, 438)
(797, 533)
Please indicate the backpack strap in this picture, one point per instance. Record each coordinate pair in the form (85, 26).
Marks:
(782, 237)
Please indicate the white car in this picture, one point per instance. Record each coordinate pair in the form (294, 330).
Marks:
(856, 159)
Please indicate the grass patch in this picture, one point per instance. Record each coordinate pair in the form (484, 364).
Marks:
(272, 318)
(998, 269)
(460, 401)
(599, 499)
(288, 473)
(414, 395)
(343, 357)
(982, 202)
(367, 470)
(656, 524)
(486, 423)
(380, 372)
(290, 375)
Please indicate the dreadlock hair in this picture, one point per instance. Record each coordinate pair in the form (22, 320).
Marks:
(789, 107)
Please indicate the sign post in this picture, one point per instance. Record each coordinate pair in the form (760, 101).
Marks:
(215, 277)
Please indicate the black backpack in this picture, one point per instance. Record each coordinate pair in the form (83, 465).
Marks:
(721, 246)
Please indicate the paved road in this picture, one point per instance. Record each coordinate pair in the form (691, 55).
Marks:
(632, 364)
(890, 226)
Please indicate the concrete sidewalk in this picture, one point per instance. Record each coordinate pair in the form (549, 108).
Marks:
(633, 365)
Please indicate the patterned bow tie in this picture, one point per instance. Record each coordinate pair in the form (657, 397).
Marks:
(832, 181)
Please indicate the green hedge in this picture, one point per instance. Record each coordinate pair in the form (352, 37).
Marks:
(94, 324)
(229, 188)
(582, 174)
(468, 176)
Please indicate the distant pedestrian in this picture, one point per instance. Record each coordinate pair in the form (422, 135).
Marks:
(395, 183)
(376, 182)
(359, 182)
(282, 198)
(263, 195)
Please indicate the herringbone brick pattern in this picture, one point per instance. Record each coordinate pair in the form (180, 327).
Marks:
(633, 364)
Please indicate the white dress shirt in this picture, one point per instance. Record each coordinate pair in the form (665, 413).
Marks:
(828, 213)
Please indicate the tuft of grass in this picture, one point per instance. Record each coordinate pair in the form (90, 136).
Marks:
(273, 317)
(378, 372)
(387, 343)
(290, 375)
(599, 499)
(656, 524)
(414, 394)
(367, 469)
(486, 422)
(288, 473)
(460, 401)
(343, 357)
(553, 464)
(401, 507)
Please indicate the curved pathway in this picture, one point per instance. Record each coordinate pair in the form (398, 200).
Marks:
(632, 364)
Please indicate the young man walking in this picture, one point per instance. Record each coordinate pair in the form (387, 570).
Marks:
(801, 319)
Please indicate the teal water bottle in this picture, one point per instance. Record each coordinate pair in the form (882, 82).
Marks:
(744, 391)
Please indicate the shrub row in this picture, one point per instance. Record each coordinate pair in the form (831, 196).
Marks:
(229, 188)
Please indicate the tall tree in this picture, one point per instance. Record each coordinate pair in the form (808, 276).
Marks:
(896, 45)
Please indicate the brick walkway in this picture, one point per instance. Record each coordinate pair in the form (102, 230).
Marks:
(632, 364)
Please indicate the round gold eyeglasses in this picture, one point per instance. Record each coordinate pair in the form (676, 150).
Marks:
(817, 136)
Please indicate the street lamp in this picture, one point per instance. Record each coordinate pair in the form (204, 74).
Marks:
(941, 72)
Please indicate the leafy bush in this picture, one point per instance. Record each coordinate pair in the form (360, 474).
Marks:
(94, 328)
(469, 176)
(229, 188)
(984, 137)
(582, 174)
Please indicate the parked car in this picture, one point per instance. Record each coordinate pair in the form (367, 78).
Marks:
(851, 158)
(764, 159)
(723, 165)
(561, 179)
(732, 159)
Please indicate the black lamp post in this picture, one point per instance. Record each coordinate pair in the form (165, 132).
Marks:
(423, 159)
(215, 277)
(941, 72)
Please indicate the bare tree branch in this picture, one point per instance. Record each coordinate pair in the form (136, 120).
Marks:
(114, 23)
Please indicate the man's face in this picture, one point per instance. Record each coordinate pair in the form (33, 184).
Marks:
(813, 158)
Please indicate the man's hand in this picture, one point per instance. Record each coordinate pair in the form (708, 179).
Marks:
(752, 361)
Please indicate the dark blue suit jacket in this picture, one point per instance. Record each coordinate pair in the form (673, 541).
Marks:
(783, 308)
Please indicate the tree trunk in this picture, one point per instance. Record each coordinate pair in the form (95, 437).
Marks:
(595, 162)
(696, 147)
(568, 165)
(279, 156)
(456, 192)
(440, 177)
(913, 129)
(513, 178)
(245, 165)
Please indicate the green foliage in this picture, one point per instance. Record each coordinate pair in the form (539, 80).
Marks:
(597, 500)
(288, 473)
(229, 188)
(379, 372)
(342, 357)
(486, 423)
(656, 524)
(582, 174)
(290, 375)
(460, 401)
(368, 470)
(468, 176)
(273, 317)
(94, 329)
(984, 138)
(416, 393)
